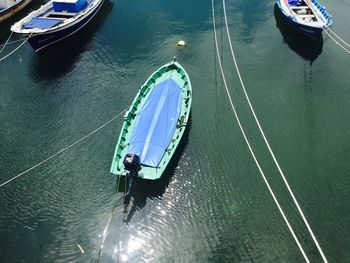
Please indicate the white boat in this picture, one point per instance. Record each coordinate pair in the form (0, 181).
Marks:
(56, 20)
(306, 16)
(8, 8)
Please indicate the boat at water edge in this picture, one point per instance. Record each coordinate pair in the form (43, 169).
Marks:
(154, 124)
(8, 8)
(306, 16)
(55, 21)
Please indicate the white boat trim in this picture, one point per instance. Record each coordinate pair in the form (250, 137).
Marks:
(19, 26)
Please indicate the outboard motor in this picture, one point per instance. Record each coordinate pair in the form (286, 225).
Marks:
(133, 165)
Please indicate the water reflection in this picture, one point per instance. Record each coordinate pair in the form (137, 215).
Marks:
(127, 242)
(60, 58)
(253, 15)
(145, 189)
(301, 44)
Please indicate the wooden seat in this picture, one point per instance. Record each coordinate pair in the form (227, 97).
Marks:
(299, 7)
(306, 16)
(62, 15)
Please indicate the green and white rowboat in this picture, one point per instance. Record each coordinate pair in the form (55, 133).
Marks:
(155, 123)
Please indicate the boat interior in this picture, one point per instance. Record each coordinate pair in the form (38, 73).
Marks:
(50, 17)
(60, 15)
(302, 10)
(62, 9)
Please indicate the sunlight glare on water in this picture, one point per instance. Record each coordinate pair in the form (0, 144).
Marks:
(211, 205)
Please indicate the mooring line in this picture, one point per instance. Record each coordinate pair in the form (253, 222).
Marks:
(342, 40)
(339, 44)
(268, 144)
(249, 146)
(4, 45)
(63, 150)
(12, 42)
(110, 216)
(13, 51)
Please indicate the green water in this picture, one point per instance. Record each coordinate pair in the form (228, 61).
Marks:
(212, 205)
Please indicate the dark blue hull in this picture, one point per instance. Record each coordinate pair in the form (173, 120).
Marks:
(41, 41)
(311, 32)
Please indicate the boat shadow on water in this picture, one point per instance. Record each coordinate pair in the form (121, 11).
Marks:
(304, 46)
(154, 189)
(59, 58)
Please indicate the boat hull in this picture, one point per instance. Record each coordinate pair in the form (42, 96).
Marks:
(11, 11)
(134, 118)
(312, 31)
(40, 42)
(299, 43)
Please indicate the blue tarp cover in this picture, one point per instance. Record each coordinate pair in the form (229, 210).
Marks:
(295, 2)
(71, 6)
(42, 23)
(156, 123)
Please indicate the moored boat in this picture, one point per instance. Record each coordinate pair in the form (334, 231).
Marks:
(303, 45)
(8, 8)
(56, 20)
(154, 124)
(306, 16)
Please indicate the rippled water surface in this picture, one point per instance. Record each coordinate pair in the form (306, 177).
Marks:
(211, 205)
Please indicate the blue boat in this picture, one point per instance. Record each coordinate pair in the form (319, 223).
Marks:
(55, 21)
(306, 16)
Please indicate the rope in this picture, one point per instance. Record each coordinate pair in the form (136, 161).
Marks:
(249, 146)
(3, 46)
(268, 145)
(337, 36)
(13, 51)
(62, 151)
(108, 223)
(12, 42)
(339, 44)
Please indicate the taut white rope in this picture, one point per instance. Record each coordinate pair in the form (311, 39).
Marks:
(4, 45)
(339, 44)
(109, 220)
(268, 145)
(63, 150)
(249, 146)
(13, 51)
(12, 42)
(342, 40)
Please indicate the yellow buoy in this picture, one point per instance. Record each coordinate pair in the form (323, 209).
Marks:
(181, 43)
